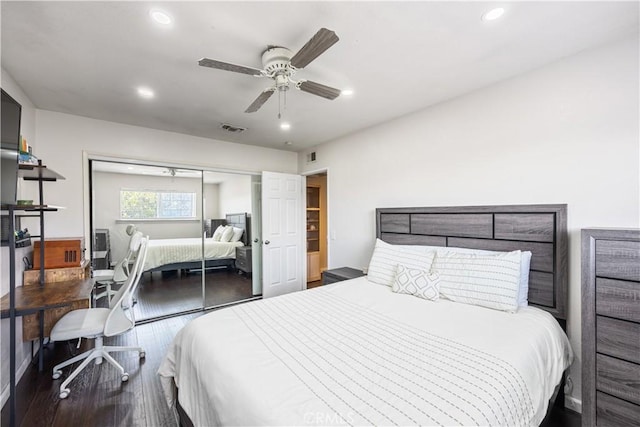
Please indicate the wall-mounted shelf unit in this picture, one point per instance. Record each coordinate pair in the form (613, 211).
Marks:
(39, 173)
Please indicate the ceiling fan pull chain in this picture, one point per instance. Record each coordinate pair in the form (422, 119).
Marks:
(279, 98)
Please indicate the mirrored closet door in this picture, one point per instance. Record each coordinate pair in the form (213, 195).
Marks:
(229, 212)
(201, 251)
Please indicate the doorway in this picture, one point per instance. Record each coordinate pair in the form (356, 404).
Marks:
(317, 228)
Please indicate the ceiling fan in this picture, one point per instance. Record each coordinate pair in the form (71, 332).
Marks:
(280, 65)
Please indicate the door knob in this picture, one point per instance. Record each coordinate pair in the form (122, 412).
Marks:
(256, 240)
(266, 242)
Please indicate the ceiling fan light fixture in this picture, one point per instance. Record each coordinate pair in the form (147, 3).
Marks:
(493, 14)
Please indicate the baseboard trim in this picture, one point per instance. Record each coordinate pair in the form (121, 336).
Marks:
(4, 397)
(573, 404)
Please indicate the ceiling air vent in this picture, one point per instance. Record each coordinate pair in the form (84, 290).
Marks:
(232, 128)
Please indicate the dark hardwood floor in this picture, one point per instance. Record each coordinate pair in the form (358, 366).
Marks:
(99, 398)
(166, 293)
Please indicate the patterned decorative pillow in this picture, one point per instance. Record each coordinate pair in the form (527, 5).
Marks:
(417, 282)
(385, 260)
(484, 280)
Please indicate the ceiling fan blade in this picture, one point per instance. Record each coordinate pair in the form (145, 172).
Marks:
(320, 42)
(319, 89)
(261, 99)
(212, 63)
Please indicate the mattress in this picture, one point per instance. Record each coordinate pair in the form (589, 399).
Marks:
(356, 353)
(169, 251)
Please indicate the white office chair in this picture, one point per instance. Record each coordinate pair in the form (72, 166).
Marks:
(97, 323)
(106, 278)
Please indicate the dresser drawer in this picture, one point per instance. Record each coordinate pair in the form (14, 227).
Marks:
(243, 259)
(618, 378)
(618, 338)
(618, 259)
(618, 298)
(241, 263)
(611, 411)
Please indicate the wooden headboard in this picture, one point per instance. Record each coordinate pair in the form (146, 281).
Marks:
(241, 220)
(541, 229)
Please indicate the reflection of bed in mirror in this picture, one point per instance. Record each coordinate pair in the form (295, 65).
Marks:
(186, 253)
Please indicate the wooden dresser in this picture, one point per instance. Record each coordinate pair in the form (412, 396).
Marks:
(610, 327)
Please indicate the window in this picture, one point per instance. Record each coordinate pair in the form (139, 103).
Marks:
(149, 204)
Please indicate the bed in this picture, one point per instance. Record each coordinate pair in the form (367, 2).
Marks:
(355, 352)
(187, 253)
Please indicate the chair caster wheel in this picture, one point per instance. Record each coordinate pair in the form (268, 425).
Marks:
(64, 393)
(56, 375)
(125, 377)
(142, 354)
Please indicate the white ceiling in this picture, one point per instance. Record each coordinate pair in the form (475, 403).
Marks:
(87, 58)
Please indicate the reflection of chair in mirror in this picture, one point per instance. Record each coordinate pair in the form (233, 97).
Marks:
(104, 279)
(97, 323)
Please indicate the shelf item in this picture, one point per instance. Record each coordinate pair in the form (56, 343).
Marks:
(59, 253)
(51, 275)
(610, 327)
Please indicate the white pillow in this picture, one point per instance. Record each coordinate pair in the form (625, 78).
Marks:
(525, 264)
(237, 234)
(227, 233)
(218, 233)
(486, 280)
(385, 260)
(417, 282)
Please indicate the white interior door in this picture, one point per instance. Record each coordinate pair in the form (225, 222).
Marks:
(283, 262)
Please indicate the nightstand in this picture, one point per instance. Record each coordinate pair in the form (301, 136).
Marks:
(340, 274)
(243, 259)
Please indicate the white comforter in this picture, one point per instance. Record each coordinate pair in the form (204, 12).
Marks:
(356, 353)
(168, 251)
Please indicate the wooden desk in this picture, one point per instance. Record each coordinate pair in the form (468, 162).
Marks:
(56, 298)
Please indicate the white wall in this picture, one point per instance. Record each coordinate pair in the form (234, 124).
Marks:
(211, 196)
(106, 190)
(565, 133)
(235, 195)
(62, 139)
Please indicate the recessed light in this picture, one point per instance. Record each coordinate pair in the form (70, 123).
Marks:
(288, 143)
(130, 168)
(493, 14)
(161, 17)
(145, 92)
(285, 126)
(346, 92)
